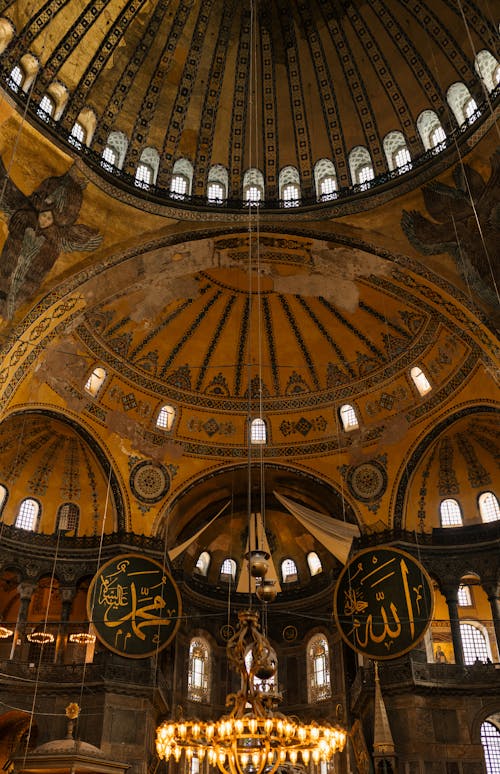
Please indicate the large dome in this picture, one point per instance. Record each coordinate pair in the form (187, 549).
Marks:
(227, 86)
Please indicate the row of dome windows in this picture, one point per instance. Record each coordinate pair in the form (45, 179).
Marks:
(431, 131)
(29, 511)
(451, 514)
(68, 517)
(258, 428)
(228, 567)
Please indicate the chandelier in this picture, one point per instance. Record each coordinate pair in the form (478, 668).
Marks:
(41, 638)
(82, 638)
(253, 737)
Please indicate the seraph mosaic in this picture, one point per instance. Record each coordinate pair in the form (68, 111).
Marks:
(41, 226)
(456, 213)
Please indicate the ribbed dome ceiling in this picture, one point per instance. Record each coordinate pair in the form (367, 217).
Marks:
(48, 460)
(298, 336)
(176, 76)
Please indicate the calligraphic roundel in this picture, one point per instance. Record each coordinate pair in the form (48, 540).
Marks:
(134, 605)
(383, 602)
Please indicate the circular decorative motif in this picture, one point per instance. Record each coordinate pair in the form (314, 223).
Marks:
(226, 632)
(134, 605)
(367, 482)
(383, 602)
(289, 633)
(149, 481)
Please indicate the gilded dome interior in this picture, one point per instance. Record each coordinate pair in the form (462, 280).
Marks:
(249, 287)
(286, 88)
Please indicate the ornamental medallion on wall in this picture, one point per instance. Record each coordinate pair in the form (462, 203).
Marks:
(134, 606)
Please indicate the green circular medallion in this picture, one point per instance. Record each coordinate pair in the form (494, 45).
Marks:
(134, 605)
(383, 602)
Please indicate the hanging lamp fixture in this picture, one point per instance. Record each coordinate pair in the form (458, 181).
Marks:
(253, 737)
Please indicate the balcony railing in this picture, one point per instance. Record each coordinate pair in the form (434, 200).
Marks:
(411, 674)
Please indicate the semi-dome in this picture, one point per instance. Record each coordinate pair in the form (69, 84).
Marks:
(56, 467)
(454, 480)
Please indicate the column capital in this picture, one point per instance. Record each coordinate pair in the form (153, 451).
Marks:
(67, 593)
(26, 590)
(492, 588)
(450, 591)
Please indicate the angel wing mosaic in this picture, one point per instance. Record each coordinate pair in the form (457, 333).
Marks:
(41, 226)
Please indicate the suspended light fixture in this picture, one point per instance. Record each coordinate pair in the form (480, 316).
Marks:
(5, 632)
(41, 638)
(82, 638)
(254, 737)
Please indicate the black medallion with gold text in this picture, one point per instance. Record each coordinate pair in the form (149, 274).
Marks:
(383, 602)
(134, 605)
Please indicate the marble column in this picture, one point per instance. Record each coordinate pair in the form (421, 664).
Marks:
(25, 594)
(67, 595)
(451, 595)
(493, 591)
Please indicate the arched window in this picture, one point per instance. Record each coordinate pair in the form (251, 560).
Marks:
(437, 138)
(490, 739)
(464, 597)
(16, 78)
(314, 563)
(114, 151)
(289, 571)
(3, 497)
(258, 431)
(46, 108)
(430, 130)
(474, 643)
(77, 136)
(461, 102)
(450, 513)
(228, 570)
(143, 176)
(27, 516)
(488, 507)
(396, 152)
(95, 381)
(289, 186)
(182, 178)
(109, 158)
(147, 168)
(217, 184)
(68, 516)
(165, 418)
(203, 563)
(253, 186)
(488, 69)
(420, 380)
(361, 167)
(348, 417)
(325, 180)
(199, 670)
(318, 669)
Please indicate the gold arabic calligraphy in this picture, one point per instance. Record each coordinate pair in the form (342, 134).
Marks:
(384, 625)
(133, 597)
